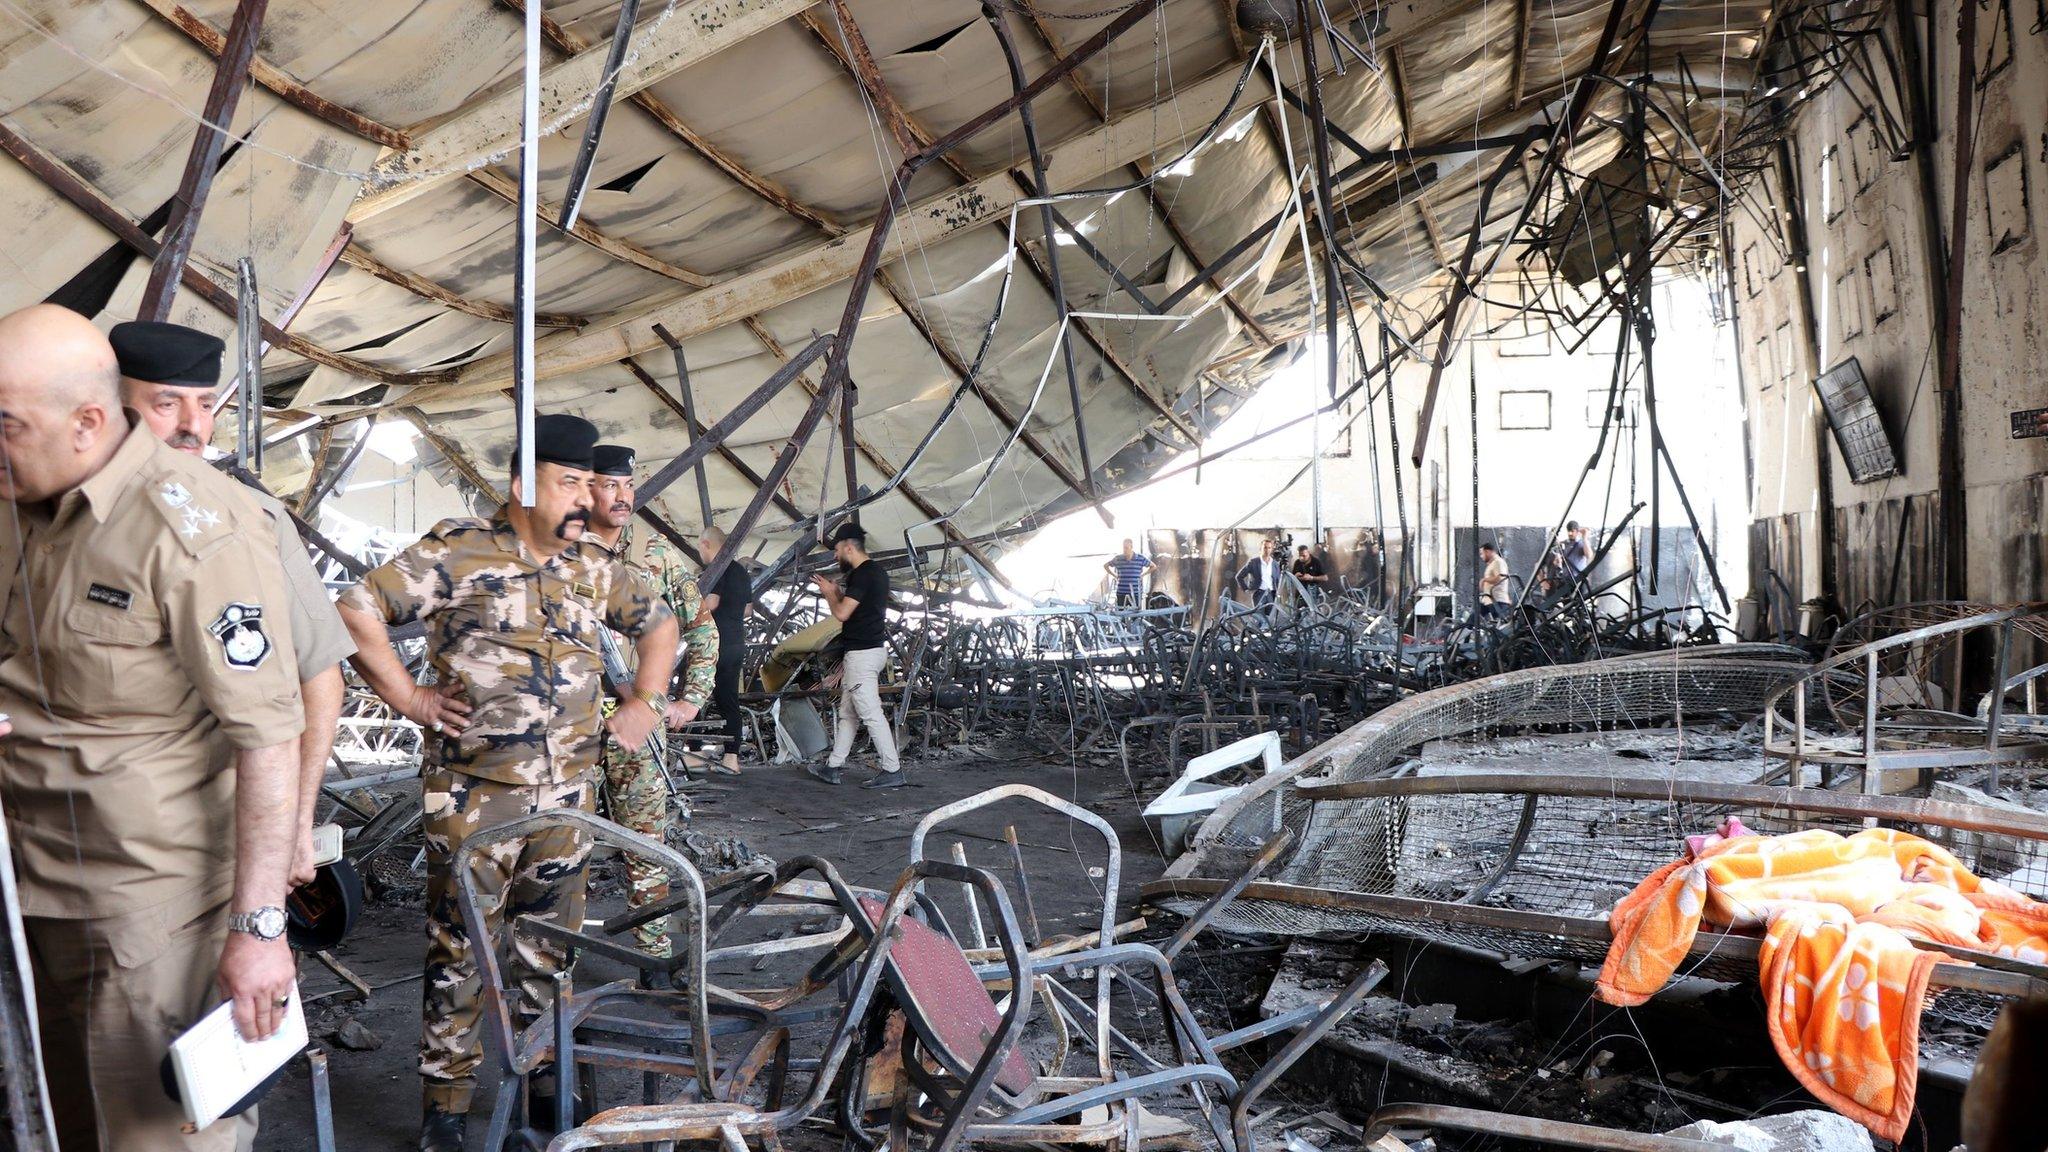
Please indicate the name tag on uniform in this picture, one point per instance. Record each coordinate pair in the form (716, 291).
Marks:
(587, 591)
(111, 597)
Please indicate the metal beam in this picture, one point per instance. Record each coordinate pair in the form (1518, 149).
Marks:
(600, 111)
(989, 400)
(683, 390)
(507, 189)
(570, 41)
(358, 257)
(1052, 44)
(850, 48)
(1574, 118)
(798, 437)
(817, 266)
(285, 87)
(454, 455)
(1519, 79)
(715, 435)
(854, 56)
(874, 458)
(73, 188)
(1397, 83)
(325, 479)
(692, 31)
(669, 533)
(230, 73)
(697, 429)
(913, 136)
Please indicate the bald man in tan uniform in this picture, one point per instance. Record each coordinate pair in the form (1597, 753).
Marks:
(143, 650)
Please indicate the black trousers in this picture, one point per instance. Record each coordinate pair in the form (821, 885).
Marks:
(725, 691)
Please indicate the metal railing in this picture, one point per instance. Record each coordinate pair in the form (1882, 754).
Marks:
(1903, 720)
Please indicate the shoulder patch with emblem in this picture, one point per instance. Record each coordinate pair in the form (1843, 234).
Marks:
(239, 628)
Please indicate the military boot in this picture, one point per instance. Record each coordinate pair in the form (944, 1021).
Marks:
(442, 1130)
(540, 1105)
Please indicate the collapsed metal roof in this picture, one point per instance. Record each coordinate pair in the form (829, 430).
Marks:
(370, 176)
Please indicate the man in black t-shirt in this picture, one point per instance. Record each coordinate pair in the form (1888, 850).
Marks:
(1309, 570)
(861, 607)
(730, 603)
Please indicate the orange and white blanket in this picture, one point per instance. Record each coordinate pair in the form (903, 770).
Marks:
(1839, 967)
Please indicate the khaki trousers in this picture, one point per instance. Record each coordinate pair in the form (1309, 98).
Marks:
(111, 995)
(860, 703)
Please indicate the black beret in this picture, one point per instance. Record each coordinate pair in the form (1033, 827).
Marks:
(167, 354)
(612, 460)
(559, 438)
(849, 531)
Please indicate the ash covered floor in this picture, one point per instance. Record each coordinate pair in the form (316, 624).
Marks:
(1448, 1026)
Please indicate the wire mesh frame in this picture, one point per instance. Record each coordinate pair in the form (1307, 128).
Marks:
(1636, 689)
(1530, 865)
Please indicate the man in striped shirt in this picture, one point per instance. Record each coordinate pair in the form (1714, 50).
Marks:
(1129, 569)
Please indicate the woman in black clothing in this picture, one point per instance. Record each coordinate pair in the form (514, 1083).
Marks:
(729, 603)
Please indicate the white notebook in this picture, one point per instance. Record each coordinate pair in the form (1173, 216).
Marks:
(215, 1067)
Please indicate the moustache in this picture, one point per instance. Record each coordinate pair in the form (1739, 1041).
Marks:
(579, 517)
(185, 440)
(622, 507)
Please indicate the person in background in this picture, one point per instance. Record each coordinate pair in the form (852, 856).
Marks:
(151, 776)
(1578, 551)
(861, 607)
(1309, 570)
(1260, 575)
(636, 793)
(1128, 569)
(1494, 597)
(730, 603)
(169, 376)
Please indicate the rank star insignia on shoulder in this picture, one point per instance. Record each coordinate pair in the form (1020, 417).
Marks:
(198, 520)
(239, 628)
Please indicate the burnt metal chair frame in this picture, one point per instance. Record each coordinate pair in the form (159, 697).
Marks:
(515, 1053)
(731, 1123)
(1033, 1118)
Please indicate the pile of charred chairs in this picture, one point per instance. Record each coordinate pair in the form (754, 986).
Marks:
(928, 1016)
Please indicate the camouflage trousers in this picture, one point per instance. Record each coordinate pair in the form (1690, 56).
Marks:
(637, 797)
(540, 876)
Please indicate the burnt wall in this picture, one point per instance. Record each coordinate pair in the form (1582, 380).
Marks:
(1866, 286)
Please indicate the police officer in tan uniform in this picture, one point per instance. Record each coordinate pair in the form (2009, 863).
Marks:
(169, 375)
(150, 780)
(513, 609)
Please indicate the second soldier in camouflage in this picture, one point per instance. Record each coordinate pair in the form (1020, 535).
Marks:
(636, 793)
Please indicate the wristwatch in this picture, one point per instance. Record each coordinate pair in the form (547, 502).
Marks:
(656, 701)
(264, 923)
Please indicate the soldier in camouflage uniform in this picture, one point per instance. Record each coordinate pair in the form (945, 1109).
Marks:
(636, 794)
(513, 608)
